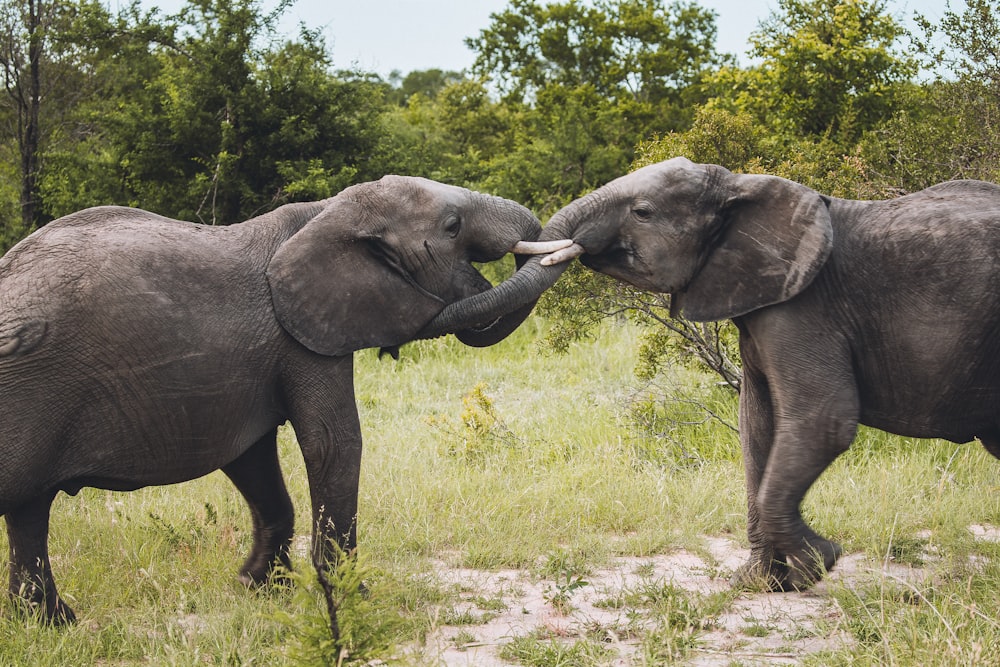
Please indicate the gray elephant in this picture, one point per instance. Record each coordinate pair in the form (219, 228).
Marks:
(884, 313)
(137, 350)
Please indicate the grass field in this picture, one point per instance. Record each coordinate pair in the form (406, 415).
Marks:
(557, 467)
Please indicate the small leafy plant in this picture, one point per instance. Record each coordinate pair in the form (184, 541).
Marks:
(559, 596)
(336, 618)
(482, 435)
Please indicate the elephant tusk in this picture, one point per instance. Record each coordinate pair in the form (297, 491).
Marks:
(540, 247)
(564, 255)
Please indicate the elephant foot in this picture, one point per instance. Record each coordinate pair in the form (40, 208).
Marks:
(808, 565)
(262, 578)
(260, 571)
(763, 573)
(48, 609)
(768, 571)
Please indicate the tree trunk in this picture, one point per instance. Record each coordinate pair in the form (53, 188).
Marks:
(29, 102)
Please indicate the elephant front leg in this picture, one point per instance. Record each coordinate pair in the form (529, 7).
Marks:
(257, 475)
(807, 555)
(805, 445)
(794, 421)
(765, 569)
(326, 424)
(334, 474)
(31, 581)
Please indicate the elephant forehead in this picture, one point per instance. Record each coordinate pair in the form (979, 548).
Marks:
(675, 178)
(425, 190)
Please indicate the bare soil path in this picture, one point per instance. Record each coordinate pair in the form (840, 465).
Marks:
(751, 628)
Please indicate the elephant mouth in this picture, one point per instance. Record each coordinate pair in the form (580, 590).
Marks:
(618, 257)
(623, 262)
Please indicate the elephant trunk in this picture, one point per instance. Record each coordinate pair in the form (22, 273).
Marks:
(580, 220)
(509, 303)
(504, 307)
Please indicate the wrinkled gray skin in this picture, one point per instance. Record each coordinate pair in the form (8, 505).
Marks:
(137, 350)
(884, 313)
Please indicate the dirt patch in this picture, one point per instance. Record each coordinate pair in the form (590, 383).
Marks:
(500, 607)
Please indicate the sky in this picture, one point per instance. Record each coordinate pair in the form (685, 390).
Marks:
(406, 35)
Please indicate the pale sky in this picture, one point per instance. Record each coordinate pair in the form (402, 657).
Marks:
(407, 35)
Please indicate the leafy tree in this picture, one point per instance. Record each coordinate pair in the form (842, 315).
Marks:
(427, 82)
(24, 44)
(587, 82)
(169, 134)
(215, 121)
(185, 142)
(950, 127)
(632, 48)
(80, 160)
(314, 132)
(414, 142)
(51, 63)
(451, 137)
(570, 142)
(828, 68)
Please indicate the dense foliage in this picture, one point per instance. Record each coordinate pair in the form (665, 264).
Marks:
(210, 115)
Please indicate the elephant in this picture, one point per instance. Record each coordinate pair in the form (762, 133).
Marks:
(882, 313)
(137, 350)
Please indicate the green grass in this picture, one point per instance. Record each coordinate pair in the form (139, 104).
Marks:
(511, 457)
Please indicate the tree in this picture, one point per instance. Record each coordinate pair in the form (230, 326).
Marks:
(571, 141)
(42, 57)
(427, 82)
(315, 131)
(216, 121)
(56, 57)
(111, 60)
(191, 133)
(950, 127)
(587, 82)
(22, 56)
(621, 48)
(828, 68)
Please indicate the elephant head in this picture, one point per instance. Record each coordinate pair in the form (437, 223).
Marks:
(381, 259)
(722, 244)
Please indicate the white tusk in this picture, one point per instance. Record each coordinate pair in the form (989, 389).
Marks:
(540, 247)
(564, 255)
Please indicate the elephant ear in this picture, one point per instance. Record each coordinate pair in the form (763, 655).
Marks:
(337, 288)
(776, 236)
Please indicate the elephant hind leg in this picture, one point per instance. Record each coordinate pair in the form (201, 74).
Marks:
(257, 475)
(31, 581)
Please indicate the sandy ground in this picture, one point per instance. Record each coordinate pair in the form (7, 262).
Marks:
(755, 629)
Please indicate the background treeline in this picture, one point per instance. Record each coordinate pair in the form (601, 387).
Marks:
(211, 115)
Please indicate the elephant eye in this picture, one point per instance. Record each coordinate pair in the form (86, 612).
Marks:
(642, 212)
(453, 226)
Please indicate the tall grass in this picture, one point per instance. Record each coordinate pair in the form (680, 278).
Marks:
(510, 457)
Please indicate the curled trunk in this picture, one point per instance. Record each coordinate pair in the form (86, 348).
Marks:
(469, 330)
(492, 315)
